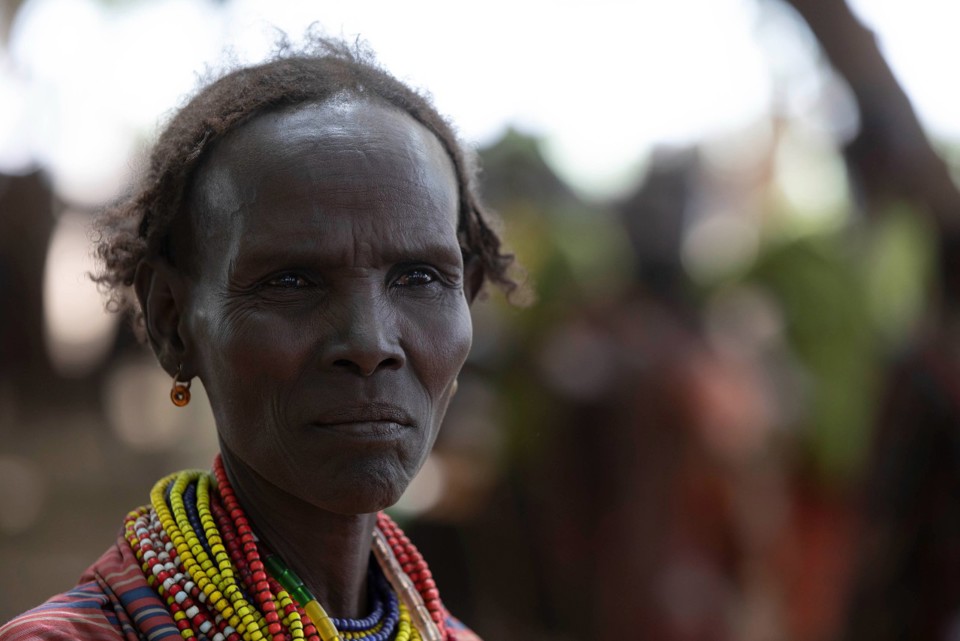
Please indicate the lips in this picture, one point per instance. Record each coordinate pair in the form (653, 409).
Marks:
(365, 414)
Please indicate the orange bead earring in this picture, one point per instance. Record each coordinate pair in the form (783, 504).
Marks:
(180, 394)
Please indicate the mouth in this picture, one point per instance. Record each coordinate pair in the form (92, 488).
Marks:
(369, 420)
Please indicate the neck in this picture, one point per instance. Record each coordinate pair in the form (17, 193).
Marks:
(329, 552)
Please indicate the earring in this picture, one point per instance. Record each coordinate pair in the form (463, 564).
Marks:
(453, 388)
(180, 394)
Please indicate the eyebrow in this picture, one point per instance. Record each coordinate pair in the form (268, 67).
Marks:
(309, 255)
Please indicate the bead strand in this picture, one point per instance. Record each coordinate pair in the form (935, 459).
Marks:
(149, 543)
(270, 625)
(292, 583)
(164, 571)
(248, 542)
(214, 607)
(267, 599)
(415, 566)
(277, 611)
(378, 626)
(222, 592)
(377, 592)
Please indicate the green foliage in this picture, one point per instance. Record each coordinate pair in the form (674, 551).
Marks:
(898, 270)
(818, 285)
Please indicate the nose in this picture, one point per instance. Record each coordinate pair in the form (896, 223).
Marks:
(366, 340)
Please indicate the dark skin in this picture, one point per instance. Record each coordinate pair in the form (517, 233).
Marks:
(326, 310)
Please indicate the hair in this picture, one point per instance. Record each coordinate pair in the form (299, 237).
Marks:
(139, 225)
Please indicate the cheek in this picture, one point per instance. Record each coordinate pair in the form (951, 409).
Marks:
(263, 349)
(443, 342)
(249, 363)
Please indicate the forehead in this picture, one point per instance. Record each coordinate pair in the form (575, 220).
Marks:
(317, 164)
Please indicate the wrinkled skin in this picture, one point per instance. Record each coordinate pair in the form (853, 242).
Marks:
(325, 309)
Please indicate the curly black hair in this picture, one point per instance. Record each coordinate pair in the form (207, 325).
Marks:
(139, 225)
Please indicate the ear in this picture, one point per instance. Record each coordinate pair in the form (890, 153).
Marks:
(473, 274)
(161, 291)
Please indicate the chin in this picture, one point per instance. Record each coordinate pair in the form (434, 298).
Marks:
(364, 501)
(365, 489)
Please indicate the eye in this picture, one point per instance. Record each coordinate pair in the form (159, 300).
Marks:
(288, 281)
(416, 278)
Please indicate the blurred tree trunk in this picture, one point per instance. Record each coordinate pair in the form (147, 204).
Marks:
(891, 158)
(8, 9)
(26, 222)
(908, 583)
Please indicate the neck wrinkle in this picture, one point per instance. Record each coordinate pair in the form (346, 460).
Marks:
(329, 552)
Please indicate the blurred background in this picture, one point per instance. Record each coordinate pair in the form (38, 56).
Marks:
(732, 412)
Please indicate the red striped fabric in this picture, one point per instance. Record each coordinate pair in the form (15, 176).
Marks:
(112, 602)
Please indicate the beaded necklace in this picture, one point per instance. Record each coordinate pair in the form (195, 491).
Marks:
(198, 551)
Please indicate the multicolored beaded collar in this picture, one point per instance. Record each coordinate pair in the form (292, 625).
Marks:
(197, 550)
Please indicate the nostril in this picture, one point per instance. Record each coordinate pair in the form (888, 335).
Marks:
(390, 363)
(365, 369)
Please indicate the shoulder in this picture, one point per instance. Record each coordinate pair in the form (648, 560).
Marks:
(112, 602)
(77, 614)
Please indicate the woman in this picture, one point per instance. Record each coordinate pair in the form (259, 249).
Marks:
(306, 242)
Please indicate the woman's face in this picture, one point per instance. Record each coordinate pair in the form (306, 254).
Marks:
(327, 316)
